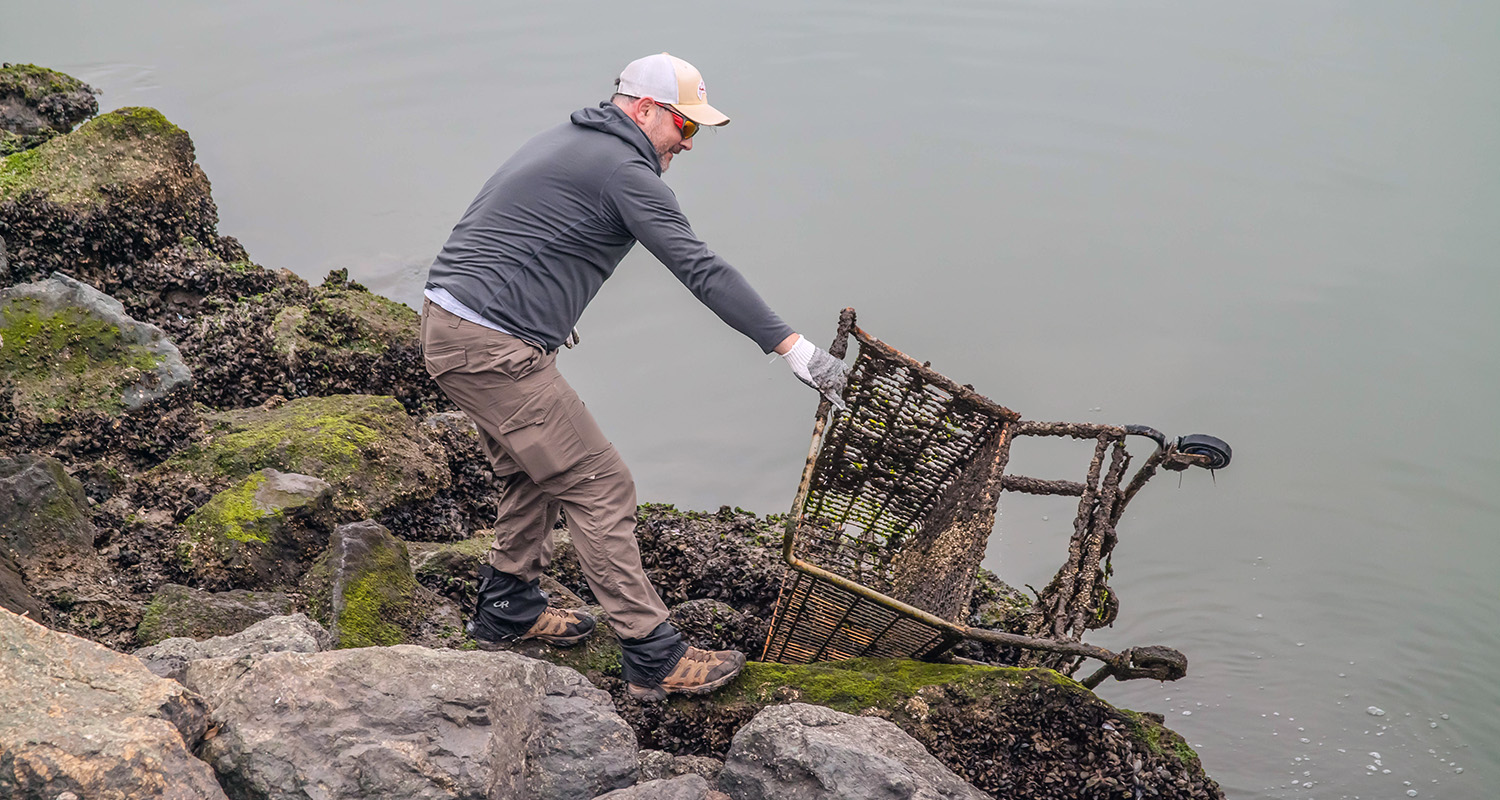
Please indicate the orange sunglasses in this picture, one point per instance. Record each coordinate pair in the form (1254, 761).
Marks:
(688, 127)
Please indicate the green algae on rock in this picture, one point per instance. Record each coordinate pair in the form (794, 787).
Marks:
(362, 587)
(343, 316)
(121, 187)
(119, 148)
(365, 446)
(260, 531)
(37, 104)
(65, 347)
(78, 374)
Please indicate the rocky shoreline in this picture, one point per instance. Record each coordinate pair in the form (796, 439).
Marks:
(239, 526)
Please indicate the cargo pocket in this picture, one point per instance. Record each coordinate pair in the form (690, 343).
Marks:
(513, 358)
(551, 433)
(440, 362)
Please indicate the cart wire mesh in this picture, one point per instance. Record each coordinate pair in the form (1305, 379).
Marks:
(896, 507)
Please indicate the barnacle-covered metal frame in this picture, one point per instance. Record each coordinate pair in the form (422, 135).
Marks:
(895, 509)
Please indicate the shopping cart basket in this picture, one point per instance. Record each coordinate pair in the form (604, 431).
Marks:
(895, 509)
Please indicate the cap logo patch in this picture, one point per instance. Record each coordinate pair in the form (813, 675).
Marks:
(702, 91)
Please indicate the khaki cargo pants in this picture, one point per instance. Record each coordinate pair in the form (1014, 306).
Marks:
(549, 454)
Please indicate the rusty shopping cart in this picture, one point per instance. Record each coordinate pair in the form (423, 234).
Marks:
(895, 509)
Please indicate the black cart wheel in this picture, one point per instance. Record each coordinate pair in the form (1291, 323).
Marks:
(1201, 444)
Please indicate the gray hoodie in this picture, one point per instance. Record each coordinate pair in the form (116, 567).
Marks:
(551, 225)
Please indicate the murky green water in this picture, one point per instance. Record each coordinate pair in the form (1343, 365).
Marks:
(1276, 222)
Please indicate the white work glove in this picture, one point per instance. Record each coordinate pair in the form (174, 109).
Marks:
(818, 369)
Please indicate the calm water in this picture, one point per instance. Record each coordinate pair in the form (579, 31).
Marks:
(1275, 222)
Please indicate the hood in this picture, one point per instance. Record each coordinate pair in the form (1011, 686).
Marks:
(609, 118)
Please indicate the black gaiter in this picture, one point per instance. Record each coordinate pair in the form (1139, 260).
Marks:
(507, 606)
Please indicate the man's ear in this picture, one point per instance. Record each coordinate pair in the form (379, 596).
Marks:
(640, 109)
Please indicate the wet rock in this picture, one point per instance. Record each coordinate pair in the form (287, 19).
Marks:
(45, 529)
(451, 568)
(470, 503)
(76, 717)
(296, 341)
(365, 446)
(180, 285)
(261, 532)
(712, 625)
(997, 606)
(410, 722)
(686, 787)
(657, 764)
(806, 752)
(294, 634)
(362, 587)
(37, 104)
(118, 189)
(72, 361)
(975, 720)
(181, 611)
(731, 556)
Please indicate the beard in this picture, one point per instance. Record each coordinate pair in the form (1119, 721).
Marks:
(663, 140)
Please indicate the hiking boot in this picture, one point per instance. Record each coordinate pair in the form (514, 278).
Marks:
(559, 627)
(697, 672)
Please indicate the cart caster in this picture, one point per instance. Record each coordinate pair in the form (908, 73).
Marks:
(1201, 444)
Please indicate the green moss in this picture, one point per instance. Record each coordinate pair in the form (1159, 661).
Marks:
(231, 515)
(12, 143)
(374, 604)
(858, 684)
(1184, 751)
(152, 621)
(345, 318)
(1159, 739)
(323, 436)
(441, 562)
(36, 83)
(67, 360)
(119, 147)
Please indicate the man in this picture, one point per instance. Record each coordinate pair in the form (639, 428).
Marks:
(532, 250)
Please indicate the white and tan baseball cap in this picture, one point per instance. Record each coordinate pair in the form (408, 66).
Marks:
(668, 79)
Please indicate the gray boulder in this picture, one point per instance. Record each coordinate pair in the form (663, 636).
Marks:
(410, 722)
(362, 587)
(581, 747)
(75, 344)
(77, 717)
(45, 528)
(292, 634)
(805, 752)
(182, 611)
(262, 531)
(686, 787)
